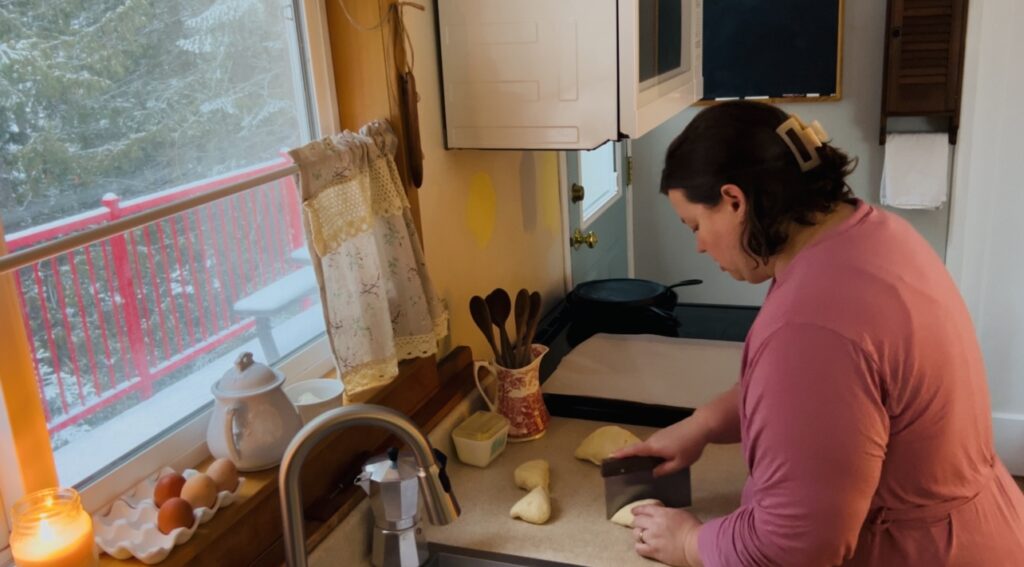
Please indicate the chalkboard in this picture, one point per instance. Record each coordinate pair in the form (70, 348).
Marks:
(772, 48)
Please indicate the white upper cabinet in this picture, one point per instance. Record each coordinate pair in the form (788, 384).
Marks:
(565, 74)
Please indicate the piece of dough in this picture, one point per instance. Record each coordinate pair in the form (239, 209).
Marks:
(532, 474)
(624, 517)
(535, 507)
(603, 442)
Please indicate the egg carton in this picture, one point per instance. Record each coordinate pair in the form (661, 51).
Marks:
(127, 527)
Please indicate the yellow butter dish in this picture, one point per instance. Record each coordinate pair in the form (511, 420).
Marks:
(481, 438)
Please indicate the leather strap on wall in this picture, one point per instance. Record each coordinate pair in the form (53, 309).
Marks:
(368, 48)
(414, 152)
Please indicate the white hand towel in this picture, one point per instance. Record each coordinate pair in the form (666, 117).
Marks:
(916, 171)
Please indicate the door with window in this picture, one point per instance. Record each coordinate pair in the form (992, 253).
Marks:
(113, 109)
(598, 184)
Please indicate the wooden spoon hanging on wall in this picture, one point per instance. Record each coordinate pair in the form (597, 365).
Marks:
(414, 151)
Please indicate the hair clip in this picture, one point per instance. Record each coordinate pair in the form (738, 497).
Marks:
(803, 140)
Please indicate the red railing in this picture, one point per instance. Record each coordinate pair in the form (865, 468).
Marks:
(113, 318)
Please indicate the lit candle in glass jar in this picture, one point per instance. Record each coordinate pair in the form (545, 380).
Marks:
(51, 529)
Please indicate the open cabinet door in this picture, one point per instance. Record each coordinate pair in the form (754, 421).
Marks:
(597, 191)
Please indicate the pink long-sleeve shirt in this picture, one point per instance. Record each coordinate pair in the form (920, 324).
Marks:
(864, 416)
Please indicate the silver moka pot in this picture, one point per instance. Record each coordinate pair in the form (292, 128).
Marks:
(392, 483)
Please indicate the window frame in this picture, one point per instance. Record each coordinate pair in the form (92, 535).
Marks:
(8, 485)
(5, 548)
(314, 360)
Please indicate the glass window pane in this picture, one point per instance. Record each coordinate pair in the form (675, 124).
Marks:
(600, 178)
(109, 108)
(671, 47)
(663, 37)
(128, 334)
(132, 98)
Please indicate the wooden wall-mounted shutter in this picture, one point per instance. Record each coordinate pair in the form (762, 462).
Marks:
(924, 60)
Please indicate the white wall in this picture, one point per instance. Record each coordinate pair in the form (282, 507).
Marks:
(665, 248)
(986, 233)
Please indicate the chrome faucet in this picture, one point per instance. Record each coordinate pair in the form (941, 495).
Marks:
(441, 504)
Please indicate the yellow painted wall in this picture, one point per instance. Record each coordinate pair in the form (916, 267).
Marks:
(490, 218)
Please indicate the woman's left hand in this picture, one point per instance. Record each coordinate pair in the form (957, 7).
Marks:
(668, 535)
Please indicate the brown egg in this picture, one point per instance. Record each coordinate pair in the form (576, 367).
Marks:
(167, 487)
(175, 513)
(224, 473)
(200, 491)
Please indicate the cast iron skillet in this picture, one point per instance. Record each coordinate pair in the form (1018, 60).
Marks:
(623, 306)
(627, 293)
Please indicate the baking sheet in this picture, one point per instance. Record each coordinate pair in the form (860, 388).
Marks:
(648, 369)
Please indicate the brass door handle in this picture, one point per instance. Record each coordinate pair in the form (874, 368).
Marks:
(578, 192)
(579, 239)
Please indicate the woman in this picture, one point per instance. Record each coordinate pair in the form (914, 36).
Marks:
(862, 405)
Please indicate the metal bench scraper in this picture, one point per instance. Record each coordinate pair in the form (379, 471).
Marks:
(630, 479)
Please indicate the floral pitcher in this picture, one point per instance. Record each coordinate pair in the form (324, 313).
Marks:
(519, 396)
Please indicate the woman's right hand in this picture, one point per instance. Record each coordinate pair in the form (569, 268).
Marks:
(680, 445)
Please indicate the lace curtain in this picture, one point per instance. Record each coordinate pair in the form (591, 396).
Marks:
(379, 304)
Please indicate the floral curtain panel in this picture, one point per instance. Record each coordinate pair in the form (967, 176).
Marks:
(379, 304)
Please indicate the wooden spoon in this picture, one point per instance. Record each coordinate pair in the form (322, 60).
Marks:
(500, 306)
(482, 318)
(522, 323)
(532, 320)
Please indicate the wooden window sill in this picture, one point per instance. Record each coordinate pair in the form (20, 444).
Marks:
(424, 390)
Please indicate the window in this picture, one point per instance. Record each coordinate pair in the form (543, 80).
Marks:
(109, 109)
(599, 173)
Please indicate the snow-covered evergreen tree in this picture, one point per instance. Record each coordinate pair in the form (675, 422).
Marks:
(131, 97)
(134, 96)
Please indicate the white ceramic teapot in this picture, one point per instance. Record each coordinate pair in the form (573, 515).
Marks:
(253, 420)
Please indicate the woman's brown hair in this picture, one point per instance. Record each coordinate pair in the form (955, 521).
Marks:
(737, 143)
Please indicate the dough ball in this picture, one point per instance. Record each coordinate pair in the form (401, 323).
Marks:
(624, 517)
(535, 507)
(532, 474)
(604, 441)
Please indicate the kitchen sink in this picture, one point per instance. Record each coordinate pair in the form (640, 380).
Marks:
(449, 556)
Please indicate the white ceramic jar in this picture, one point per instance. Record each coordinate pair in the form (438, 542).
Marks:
(253, 420)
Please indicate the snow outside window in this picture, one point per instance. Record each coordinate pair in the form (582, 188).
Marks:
(112, 108)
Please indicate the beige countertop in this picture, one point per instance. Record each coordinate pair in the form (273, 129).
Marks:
(578, 531)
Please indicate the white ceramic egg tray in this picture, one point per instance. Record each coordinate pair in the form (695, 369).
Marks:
(127, 528)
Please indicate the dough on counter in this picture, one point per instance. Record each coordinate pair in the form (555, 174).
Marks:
(603, 442)
(624, 517)
(532, 474)
(535, 507)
